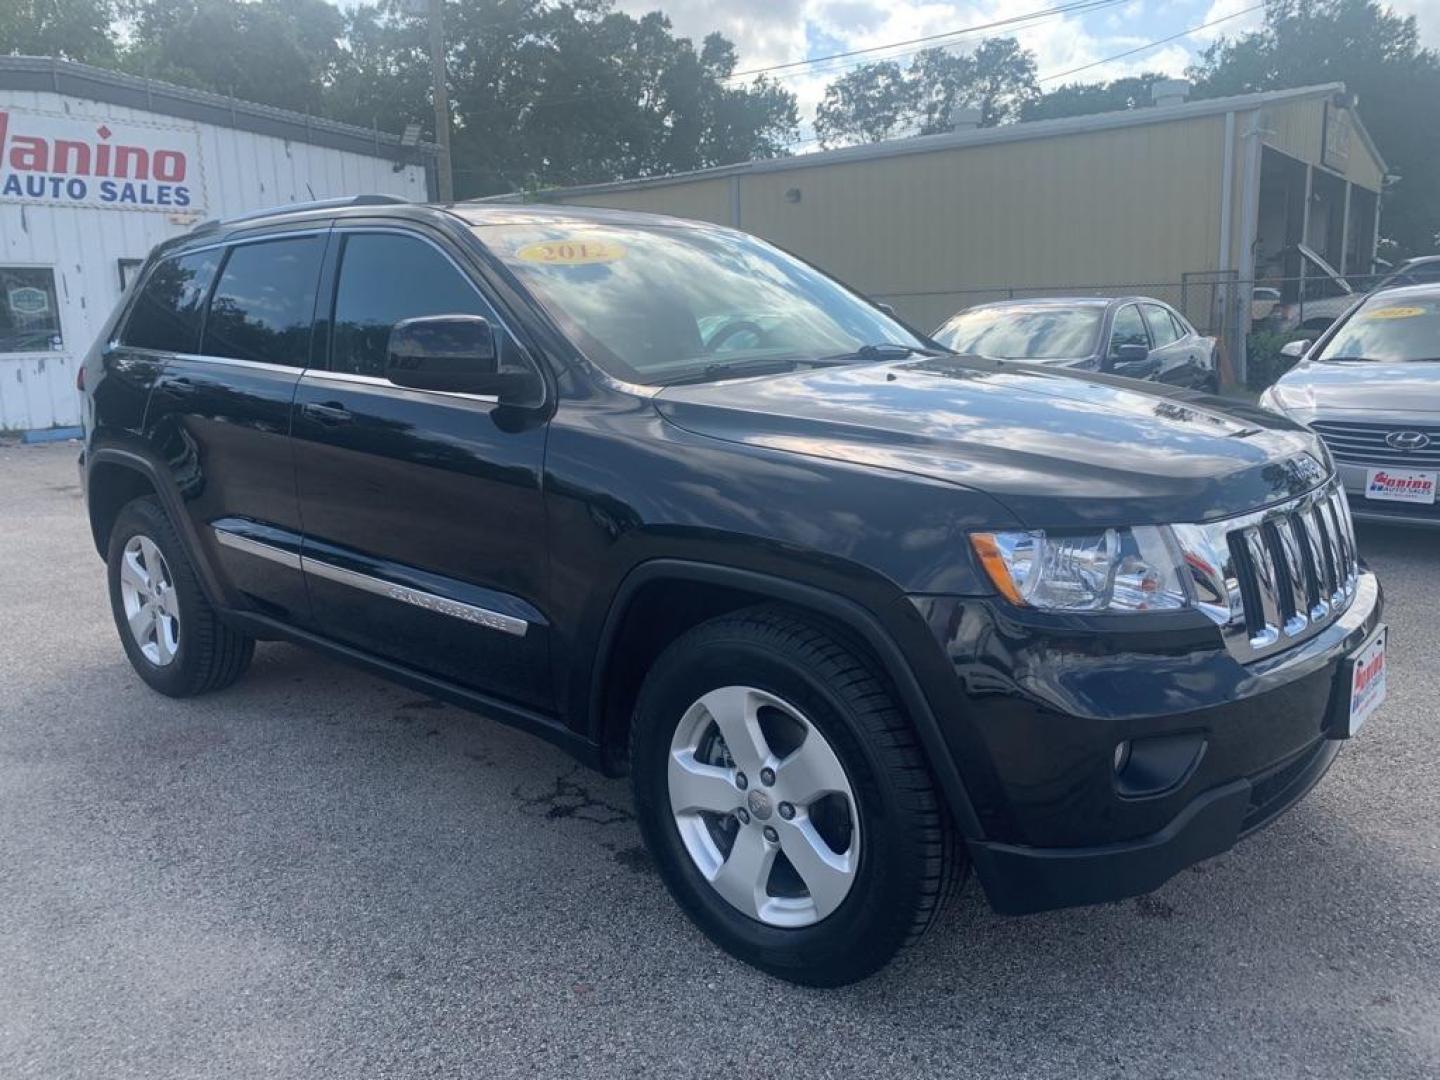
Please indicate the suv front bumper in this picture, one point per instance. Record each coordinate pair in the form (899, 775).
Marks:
(1021, 880)
(1264, 732)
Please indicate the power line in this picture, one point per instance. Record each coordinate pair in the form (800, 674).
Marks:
(1061, 9)
(1152, 45)
(914, 129)
(1033, 16)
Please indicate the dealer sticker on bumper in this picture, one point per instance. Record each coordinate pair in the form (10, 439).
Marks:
(1367, 681)
(1400, 485)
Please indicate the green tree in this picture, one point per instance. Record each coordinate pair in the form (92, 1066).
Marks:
(880, 101)
(868, 104)
(1084, 99)
(73, 29)
(277, 52)
(999, 80)
(1377, 54)
(541, 92)
(549, 94)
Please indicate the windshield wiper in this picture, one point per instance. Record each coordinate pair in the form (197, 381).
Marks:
(736, 369)
(888, 350)
(775, 365)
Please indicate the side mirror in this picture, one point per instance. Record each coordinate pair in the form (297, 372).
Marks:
(454, 353)
(1131, 361)
(1295, 349)
(886, 308)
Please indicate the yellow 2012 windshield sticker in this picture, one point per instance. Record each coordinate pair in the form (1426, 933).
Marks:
(1395, 313)
(578, 251)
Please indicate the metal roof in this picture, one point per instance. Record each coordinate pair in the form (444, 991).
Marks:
(50, 75)
(926, 144)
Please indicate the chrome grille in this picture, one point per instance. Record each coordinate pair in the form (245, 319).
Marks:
(1272, 578)
(1364, 444)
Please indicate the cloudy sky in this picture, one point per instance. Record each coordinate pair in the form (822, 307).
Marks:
(770, 32)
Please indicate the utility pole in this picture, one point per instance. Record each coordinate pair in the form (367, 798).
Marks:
(442, 100)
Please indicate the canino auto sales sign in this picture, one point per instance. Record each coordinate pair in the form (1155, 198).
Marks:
(76, 161)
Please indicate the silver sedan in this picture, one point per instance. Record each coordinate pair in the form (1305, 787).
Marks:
(1370, 387)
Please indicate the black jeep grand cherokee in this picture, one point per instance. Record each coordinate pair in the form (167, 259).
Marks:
(854, 613)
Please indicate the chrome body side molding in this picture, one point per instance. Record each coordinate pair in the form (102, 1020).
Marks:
(405, 594)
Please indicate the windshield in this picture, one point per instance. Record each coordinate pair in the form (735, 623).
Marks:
(1389, 329)
(659, 304)
(1042, 332)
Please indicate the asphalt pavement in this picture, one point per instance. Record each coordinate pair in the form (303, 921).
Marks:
(317, 874)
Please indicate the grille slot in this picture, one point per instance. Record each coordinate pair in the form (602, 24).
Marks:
(1290, 570)
(1364, 444)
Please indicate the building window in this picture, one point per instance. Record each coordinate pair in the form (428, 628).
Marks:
(29, 313)
(128, 269)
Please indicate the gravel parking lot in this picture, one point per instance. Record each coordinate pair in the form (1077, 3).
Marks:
(317, 874)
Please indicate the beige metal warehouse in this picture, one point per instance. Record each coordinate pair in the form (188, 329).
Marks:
(1195, 201)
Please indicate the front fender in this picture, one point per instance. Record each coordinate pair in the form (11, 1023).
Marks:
(888, 633)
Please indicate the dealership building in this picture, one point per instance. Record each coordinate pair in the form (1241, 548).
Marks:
(1195, 202)
(96, 167)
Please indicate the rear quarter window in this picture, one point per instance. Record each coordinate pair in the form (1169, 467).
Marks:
(166, 314)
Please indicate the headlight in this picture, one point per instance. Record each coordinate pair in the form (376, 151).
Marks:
(1135, 569)
(1270, 399)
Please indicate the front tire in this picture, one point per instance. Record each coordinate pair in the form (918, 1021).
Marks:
(785, 800)
(171, 634)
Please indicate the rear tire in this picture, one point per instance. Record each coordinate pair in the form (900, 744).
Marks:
(173, 637)
(818, 717)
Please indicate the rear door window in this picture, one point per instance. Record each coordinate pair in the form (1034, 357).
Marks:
(166, 315)
(1162, 328)
(264, 303)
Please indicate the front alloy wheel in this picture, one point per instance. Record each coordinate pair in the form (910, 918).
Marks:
(763, 807)
(785, 799)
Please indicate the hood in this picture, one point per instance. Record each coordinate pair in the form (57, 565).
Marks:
(1058, 448)
(1395, 389)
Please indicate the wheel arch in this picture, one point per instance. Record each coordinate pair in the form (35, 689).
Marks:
(628, 643)
(114, 477)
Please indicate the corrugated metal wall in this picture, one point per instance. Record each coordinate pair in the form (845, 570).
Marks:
(241, 171)
(1127, 205)
(931, 232)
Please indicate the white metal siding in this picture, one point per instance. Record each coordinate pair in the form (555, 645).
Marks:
(238, 171)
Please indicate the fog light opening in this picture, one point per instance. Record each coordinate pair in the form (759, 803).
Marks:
(1156, 764)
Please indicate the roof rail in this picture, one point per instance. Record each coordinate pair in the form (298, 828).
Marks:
(315, 204)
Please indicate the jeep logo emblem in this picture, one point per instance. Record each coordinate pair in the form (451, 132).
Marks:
(760, 805)
(1407, 440)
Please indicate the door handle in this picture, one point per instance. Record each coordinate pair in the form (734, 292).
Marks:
(329, 413)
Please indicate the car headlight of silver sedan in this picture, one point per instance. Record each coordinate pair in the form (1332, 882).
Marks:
(1270, 400)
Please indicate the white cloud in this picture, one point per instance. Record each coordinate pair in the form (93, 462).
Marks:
(1234, 25)
(768, 32)
(1427, 14)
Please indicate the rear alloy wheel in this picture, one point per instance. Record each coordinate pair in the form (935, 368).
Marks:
(152, 609)
(175, 640)
(785, 800)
